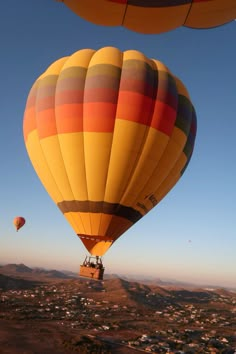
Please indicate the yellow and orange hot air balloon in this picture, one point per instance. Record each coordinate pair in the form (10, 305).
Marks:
(109, 133)
(18, 222)
(155, 16)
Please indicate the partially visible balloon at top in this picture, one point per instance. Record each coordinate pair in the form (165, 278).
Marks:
(155, 16)
(18, 222)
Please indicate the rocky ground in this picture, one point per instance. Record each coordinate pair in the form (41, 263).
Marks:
(47, 313)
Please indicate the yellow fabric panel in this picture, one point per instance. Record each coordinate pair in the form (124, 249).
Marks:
(168, 160)
(123, 158)
(155, 20)
(171, 179)
(105, 225)
(105, 221)
(100, 12)
(85, 223)
(52, 152)
(166, 186)
(148, 161)
(95, 219)
(172, 152)
(178, 137)
(180, 164)
(97, 148)
(86, 220)
(136, 55)
(107, 55)
(110, 226)
(211, 13)
(162, 68)
(76, 221)
(54, 68)
(80, 58)
(72, 155)
(96, 248)
(41, 167)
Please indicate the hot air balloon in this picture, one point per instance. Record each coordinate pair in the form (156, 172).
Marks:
(155, 16)
(18, 221)
(109, 133)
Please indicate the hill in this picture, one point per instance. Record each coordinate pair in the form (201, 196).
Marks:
(22, 271)
(10, 283)
(109, 315)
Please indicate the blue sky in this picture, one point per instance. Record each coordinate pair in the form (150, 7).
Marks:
(200, 208)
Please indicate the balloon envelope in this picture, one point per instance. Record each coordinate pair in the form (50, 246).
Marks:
(18, 221)
(109, 134)
(155, 16)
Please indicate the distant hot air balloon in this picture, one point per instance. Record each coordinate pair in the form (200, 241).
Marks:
(18, 221)
(155, 16)
(109, 134)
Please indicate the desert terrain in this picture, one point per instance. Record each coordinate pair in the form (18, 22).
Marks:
(57, 312)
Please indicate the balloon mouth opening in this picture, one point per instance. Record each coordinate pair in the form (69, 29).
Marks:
(95, 238)
(96, 245)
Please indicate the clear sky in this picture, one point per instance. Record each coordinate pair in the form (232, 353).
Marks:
(191, 234)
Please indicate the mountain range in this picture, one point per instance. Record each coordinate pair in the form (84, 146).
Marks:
(41, 274)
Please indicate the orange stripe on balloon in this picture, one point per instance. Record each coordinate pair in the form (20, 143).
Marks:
(140, 109)
(163, 118)
(134, 107)
(69, 118)
(46, 123)
(99, 117)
